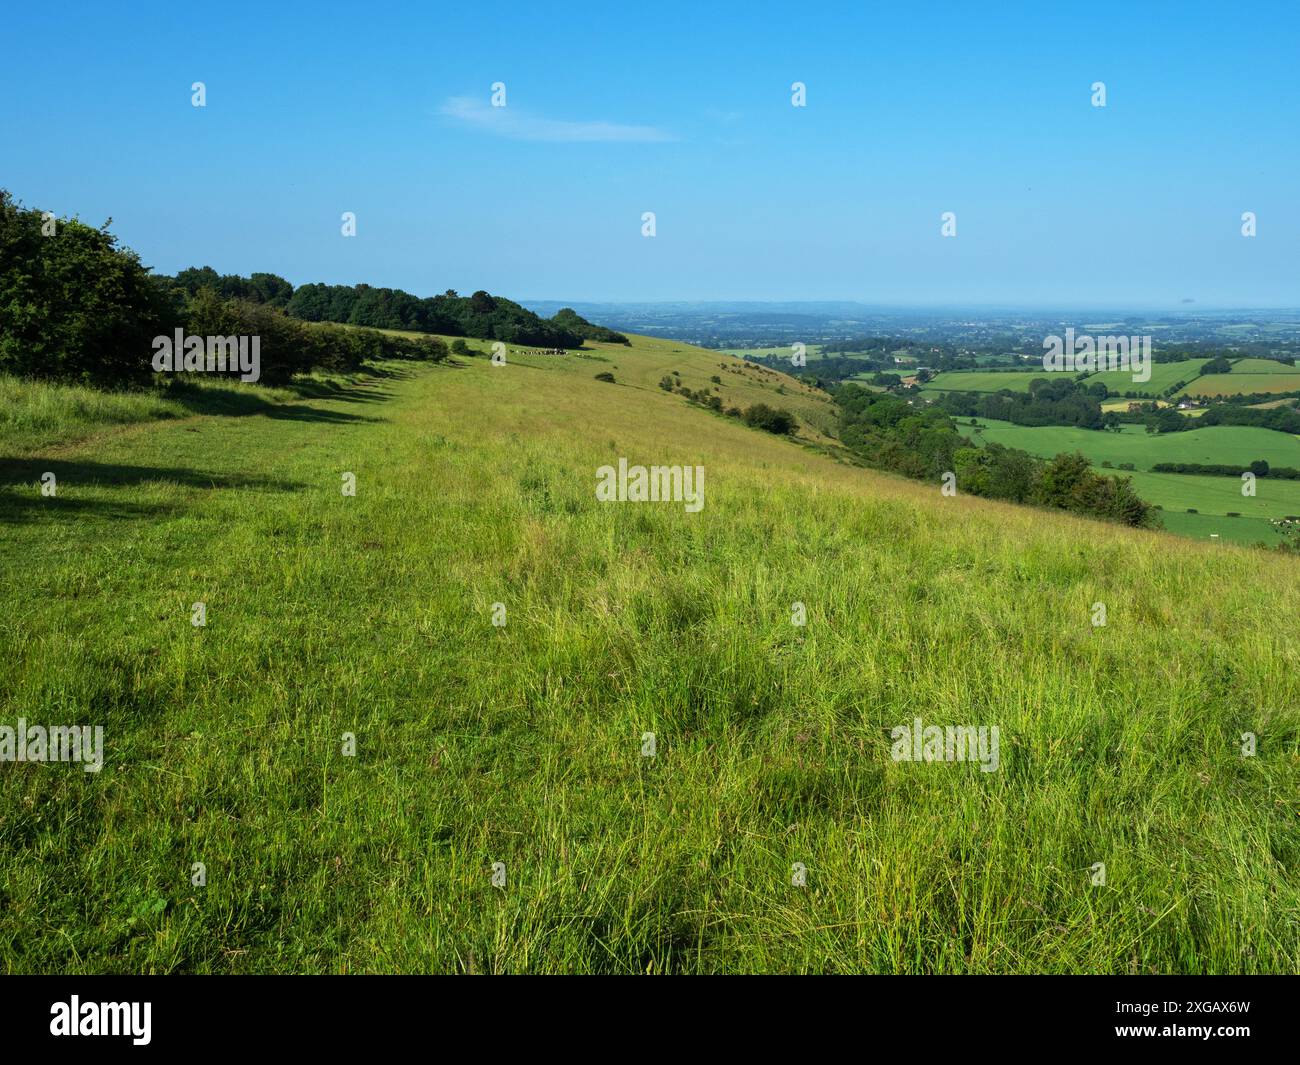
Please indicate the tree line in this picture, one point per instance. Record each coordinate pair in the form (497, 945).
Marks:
(481, 316)
(77, 305)
(1061, 401)
(923, 442)
(1259, 467)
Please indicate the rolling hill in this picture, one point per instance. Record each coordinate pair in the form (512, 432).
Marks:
(493, 645)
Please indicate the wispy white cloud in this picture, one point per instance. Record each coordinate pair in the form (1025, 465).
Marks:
(719, 115)
(523, 126)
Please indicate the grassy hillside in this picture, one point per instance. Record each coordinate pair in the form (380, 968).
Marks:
(522, 744)
(741, 384)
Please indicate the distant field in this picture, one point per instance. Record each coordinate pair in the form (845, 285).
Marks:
(985, 381)
(1164, 375)
(1223, 444)
(1230, 384)
(1248, 531)
(1213, 497)
(1218, 495)
(1247, 376)
(1268, 366)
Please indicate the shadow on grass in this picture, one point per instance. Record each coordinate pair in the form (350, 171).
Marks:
(67, 473)
(17, 507)
(21, 498)
(242, 403)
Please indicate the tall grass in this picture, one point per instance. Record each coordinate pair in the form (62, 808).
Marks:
(33, 413)
(521, 744)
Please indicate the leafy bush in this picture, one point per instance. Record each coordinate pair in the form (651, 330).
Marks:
(74, 305)
(289, 346)
(761, 416)
(481, 315)
(922, 442)
(569, 319)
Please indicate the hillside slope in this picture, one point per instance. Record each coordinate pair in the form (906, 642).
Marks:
(522, 743)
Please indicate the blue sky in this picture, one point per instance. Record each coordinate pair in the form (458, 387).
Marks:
(912, 110)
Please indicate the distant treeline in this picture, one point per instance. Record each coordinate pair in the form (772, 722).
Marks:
(1168, 420)
(1254, 349)
(76, 305)
(923, 442)
(1260, 468)
(481, 315)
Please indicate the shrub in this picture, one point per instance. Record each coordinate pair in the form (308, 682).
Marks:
(75, 306)
(605, 375)
(761, 416)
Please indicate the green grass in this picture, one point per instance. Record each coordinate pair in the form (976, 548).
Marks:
(1164, 375)
(1264, 375)
(1248, 377)
(985, 381)
(1208, 527)
(1264, 366)
(1217, 444)
(1211, 496)
(1222, 496)
(521, 744)
(38, 414)
(35, 413)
